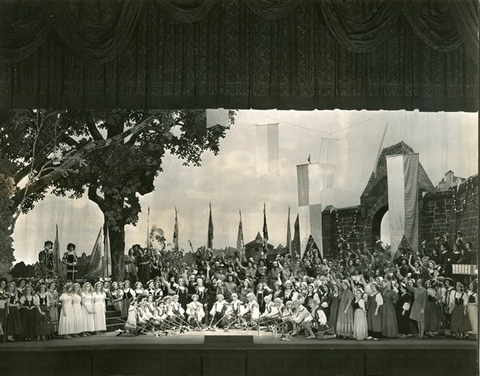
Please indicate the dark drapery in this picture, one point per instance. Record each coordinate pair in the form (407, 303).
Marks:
(286, 54)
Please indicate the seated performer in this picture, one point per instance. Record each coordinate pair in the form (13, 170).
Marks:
(177, 311)
(195, 312)
(251, 313)
(218, 311)
(319, 322)
(302, 320)
(271, 312)
(286, 313)
(234, 311)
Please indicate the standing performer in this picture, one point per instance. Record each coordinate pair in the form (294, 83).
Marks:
(99, 308)
(45, 257)
(53, 309)
(70, 259)
(28, 314)
(419, 304)
(13, 326)
(78, 311)
(374, 312)
(66, 325)
(42, 303)
(87, 308)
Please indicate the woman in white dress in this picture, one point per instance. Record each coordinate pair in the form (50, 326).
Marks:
(472, 308)
(78, 310)
(87, 308)
(66, 325)
(99, 308)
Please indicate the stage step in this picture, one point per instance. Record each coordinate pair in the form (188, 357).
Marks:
(112, 313)
(113, 327)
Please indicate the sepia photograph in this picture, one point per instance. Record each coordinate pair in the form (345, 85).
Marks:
(241, 187)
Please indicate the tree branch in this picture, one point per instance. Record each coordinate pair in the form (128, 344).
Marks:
(92, 128)
(93, 196)
(77, 158)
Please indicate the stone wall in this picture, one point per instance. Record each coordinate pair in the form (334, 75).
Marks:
(439, 213)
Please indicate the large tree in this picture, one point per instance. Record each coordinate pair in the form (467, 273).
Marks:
(114, 155)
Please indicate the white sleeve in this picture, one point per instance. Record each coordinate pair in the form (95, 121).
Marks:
(361, 303)
(379, 299)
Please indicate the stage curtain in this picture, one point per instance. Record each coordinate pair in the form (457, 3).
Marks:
(364, 27)
(465, 14)
(285, 54)
(97, 30)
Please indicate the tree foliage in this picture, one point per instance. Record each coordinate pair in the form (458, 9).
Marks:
(112, 155)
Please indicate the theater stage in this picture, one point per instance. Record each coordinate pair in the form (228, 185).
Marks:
(237, 353)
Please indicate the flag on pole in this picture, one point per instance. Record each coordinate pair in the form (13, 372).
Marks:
(240, 242)
(175, 231)
(265, 228)
(296, 238)
(95, 265)
(267, 153)
(402, 176)
(210, 229)
(56, 253)
(289, 236)
(310, 183)
(107, 256)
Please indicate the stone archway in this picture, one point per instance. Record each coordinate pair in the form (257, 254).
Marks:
(374, 219)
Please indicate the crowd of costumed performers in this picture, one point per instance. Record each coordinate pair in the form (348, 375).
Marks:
(361, 294)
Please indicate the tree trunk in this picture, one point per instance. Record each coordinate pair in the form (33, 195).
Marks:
(117, 247)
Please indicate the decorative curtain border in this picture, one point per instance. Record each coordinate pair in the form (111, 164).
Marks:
(359, 26)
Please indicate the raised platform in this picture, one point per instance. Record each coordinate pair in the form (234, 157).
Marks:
(195, 353)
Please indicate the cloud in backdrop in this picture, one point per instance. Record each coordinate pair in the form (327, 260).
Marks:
(445, 141)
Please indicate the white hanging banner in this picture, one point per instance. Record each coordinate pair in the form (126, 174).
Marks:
(310, 183)
(217, 116)
(402, 175)
(267, 150)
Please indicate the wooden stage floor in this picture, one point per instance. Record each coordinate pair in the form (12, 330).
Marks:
(224, 354)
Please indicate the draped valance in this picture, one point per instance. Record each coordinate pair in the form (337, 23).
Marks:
(286, 54)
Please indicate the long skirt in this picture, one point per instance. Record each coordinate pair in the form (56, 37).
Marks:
(389, 320)
(125, 306)
(66, 323)
(360, 326)
(29, 322)
(54, 320)
(432, 317)
(13, 323)
(43, 322)
(460, 322)
(332, 317)
(403, 322)
(374, 321)
(345, 322)
(472, 311)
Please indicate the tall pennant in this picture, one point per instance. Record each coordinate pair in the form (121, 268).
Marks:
(265, 228)
(240, 242)
(210, 229)
(107, 257)
(289, 235)
(56, 254)
(175, 231)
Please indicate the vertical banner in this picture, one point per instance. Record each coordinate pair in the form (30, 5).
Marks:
(266, 148)
(265, 228)
(310, 184)
(328, 160)
(402, 175)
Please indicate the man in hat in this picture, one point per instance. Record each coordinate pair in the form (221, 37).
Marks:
(449, 302)
(70, 259)
(45, 257)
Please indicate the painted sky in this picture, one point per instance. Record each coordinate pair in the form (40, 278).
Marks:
(445, 141)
